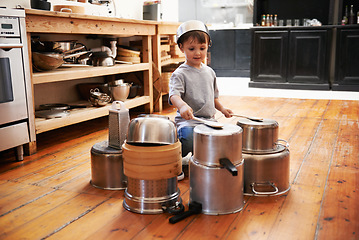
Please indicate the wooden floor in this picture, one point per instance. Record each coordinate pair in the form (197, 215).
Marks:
(48, 195)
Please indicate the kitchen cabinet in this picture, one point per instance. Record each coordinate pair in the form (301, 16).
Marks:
(166, 29)
(230, 52)
(347, 60)
(291, 57)
(47, 22)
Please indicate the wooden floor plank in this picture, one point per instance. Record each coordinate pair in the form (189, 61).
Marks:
(299, 214)
(257, 219)
(45, 225)
(315, 167)
(22, 196)
(33, 210)
(340, 209)
(342, 187)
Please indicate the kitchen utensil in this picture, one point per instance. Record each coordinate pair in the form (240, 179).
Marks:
(118, 121)
(133, 90)
(259, 137)
(60, 106)
(107, 167)
(250, 118)
(193, 208)
(267, 174)
(120, 91)
(210, 145)
(212, 124)
(98, 99)
(85, 88)
(69, 8)
(50, 61)
(151, 129)
(48, 114)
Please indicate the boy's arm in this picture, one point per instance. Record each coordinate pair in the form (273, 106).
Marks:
(185, 110)
(226, 111)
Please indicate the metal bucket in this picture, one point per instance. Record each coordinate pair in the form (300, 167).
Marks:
(216, 188)
(267, 174)
(107, 167)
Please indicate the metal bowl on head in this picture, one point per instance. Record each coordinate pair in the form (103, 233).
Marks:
(152, 130)
(191, 25)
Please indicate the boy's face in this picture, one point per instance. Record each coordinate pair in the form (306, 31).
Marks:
(194, 51)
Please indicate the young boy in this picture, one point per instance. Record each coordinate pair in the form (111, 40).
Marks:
(193, 87)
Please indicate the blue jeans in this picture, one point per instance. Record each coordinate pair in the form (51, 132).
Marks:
(185, 135)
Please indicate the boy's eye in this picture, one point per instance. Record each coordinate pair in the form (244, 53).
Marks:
(202, 48)
(191, 49)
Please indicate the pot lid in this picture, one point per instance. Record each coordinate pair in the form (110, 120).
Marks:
(266, 123)
(228, 129)
(279, 148)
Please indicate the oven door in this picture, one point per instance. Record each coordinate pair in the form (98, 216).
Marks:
(13, 106)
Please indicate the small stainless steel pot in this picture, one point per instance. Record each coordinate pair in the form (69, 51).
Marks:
(107, 167)
(259, 136)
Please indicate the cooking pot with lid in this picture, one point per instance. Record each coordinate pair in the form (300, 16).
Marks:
(210, 145)
(259, 136)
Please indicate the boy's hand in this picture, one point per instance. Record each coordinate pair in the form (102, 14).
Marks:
(186, 112)
(227, 112)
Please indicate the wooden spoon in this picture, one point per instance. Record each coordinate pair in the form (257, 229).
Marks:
(250, 118)
(212, 124)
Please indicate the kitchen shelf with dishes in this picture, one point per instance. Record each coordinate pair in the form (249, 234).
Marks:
(50, 23)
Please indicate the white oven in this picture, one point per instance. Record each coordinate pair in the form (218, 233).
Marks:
(16, 106)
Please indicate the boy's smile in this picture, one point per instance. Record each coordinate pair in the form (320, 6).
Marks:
(194, 51)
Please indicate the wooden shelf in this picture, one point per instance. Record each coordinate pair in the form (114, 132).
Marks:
(70, 73)
(84, 114)
(173, 60)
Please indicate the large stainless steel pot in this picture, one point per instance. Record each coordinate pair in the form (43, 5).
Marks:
(267, 174)
(216, 189)
(259, 136)
(210, 145)
(216, 169)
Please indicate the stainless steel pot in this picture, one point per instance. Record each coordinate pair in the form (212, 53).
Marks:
(107, 167)
(259, 136)
(210, 145)
(267, 174)
(216, 189)
(151, 129)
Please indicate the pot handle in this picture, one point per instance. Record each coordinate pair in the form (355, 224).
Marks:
(193, 208)
(282, 140)
(264, 193)
(229, 166)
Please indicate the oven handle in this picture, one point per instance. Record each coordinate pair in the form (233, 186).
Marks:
(8, 46)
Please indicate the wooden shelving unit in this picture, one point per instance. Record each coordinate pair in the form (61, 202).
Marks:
(163, 29)
(48, 22)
